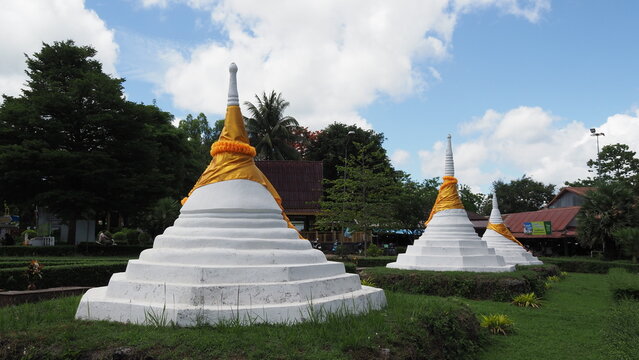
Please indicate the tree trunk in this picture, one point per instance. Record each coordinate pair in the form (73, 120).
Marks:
(72, 228)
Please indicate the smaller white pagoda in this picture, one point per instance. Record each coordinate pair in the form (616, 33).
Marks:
(498, 236)
(450, 242)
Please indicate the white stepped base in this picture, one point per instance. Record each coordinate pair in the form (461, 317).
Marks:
(95, 305)
(512, 252)
(450, 243)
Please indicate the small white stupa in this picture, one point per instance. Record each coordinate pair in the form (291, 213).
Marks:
(449, 242)
(232, 255)
(498, 236)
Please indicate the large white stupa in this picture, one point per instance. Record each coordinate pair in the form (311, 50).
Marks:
(449, 242)
(232, 255)
(498, 236)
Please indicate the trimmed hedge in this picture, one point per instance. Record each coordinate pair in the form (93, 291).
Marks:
(62, 275)
(470, 285)
(91, 249)
(589, 265)
(623, 284)
(373, 261)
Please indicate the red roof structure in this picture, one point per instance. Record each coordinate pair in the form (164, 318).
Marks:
(562, 221)
(299, 183)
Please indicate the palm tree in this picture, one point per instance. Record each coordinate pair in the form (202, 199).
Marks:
(271, 133)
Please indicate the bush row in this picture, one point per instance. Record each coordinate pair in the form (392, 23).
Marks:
(91, 249)
(373, 261)
(623, 284)
(62, 275)
(470, 285)
(589, 265)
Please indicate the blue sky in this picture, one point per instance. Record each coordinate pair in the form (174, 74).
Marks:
(518, 83)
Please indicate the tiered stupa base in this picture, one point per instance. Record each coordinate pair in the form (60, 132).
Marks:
(450, 243)
(512, 253)
(235, 262)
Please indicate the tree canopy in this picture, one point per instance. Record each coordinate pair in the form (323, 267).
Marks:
(270, 131)
(72, 143)
(520, 195)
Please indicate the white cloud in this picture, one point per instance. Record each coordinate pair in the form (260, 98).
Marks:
(27, 24)
(400, 157)
(528, 140)
(321, 55)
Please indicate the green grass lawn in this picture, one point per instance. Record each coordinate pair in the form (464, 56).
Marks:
(573, 323)
(567, 326)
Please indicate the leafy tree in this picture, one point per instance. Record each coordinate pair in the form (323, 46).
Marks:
(72, 143)
(612, 206)
(200, 137)
(628, 239)
(160, 216)
(271, 133)
(361, 200)
(472, 201)
(331, 144)
(521, 195)
(412, 203)
(614, 163)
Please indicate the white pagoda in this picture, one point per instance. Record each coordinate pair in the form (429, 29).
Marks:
(449, 242)
(498, 236)
(232, 255)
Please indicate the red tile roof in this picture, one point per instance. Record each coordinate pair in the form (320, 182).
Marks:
(299, 183)
(560, 219)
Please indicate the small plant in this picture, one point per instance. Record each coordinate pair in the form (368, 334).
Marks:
(373, 251)
(367, 282)
(553, 278)
(527, 300)
(564, 274)
(548, 285)
(34, 273)
(497, 324)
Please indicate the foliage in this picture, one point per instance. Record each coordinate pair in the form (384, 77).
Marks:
(621, 330)
(200, 136)
(472, 201)
(373, 251)
(611, 207)
(589, 265)
(628, 239)
(361, 200)
(497, 324)
(332, 144)
(160, 216)
(519, 195)
(144, 238)
(29, 233)
(83, 274)
(623, 284)
(271, 133)
(527, 300)
(373, 261)
(614, 163)
(493, 286)
(119, 237)
(88, 149)
(412, 203)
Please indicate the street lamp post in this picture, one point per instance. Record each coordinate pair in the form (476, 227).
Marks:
(348, 135)
(593, 132)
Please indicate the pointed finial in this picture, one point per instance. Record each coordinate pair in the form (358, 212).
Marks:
(495, 214)
(234, 98)
(449, 166)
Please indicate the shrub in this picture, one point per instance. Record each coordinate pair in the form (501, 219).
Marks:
(373, 251)
(589, 265)
(119, 237)
(553, 278)
(58, 250)
(527, 300)
(497, 324)
(29, 233)
(376, 261)
(479, 286)
(144, 238)
(443, 329)
(132, 236)
(623, 284)
(63, 275)
(350, 267)
(367, 282)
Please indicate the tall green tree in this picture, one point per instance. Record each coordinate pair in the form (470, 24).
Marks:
(412, 203)
(270, 131)
(611, 207)
(334, 142)
(614, 162)
(72, 143)
(521, 195)
(362, 199)
(200, 136)
(472, 201)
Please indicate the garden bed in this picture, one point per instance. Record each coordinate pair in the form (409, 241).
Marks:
(15, 297)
